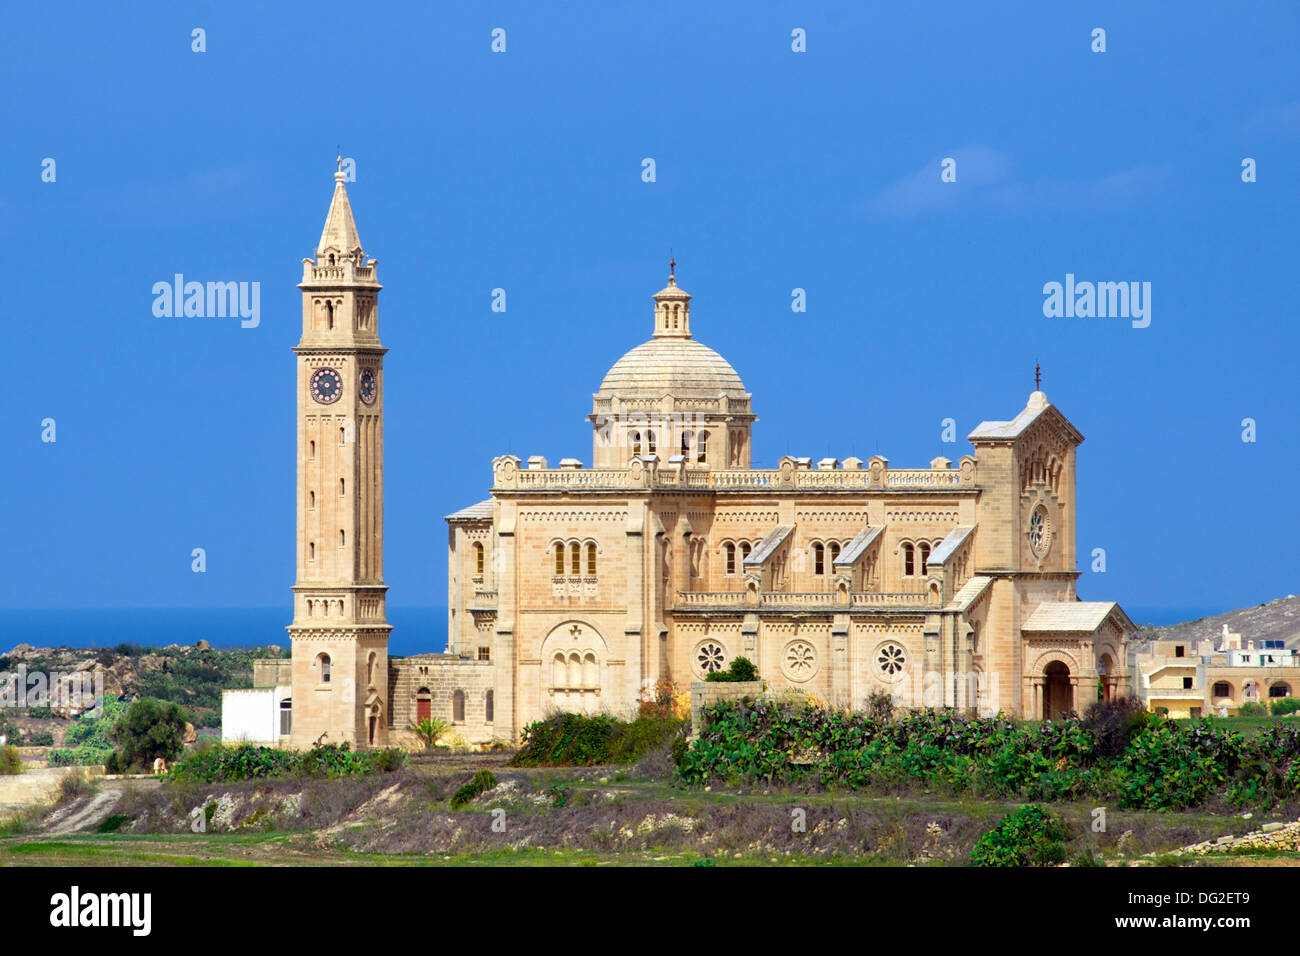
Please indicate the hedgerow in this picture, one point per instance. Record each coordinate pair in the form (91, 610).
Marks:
(247, 762)
(1115, 753)
(575, 740)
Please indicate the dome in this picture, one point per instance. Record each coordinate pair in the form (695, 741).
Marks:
(681, 367)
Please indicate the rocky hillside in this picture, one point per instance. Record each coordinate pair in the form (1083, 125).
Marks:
(1277, 620)
(192, 677)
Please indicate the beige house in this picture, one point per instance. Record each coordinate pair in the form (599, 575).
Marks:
(578, 588)
(1185, 680)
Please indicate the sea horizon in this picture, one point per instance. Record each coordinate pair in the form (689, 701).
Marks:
(415, 629)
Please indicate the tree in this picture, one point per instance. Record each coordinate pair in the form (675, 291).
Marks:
(429, 731)
(148, 730)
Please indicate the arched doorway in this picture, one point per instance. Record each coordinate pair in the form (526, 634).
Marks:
(1106, 679)
(1058, 694)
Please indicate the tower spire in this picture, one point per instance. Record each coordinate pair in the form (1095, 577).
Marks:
(340, 233)
(672, 307)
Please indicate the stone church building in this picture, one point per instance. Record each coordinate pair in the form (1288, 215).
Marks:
(576, 588)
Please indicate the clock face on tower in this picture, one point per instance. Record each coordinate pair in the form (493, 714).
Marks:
(369, 387)
(326, 386)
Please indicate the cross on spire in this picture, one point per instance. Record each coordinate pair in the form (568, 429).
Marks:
(1038, 378)
(672, 265)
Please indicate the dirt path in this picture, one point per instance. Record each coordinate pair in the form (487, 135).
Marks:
(76, 818)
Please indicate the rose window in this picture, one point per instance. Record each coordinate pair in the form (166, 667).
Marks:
(800, 661)
(710, 657)
(1040, 533)
(891, 659)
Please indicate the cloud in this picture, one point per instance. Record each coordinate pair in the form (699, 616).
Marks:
(985, 180)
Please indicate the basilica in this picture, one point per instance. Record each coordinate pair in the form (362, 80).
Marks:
(575, 587)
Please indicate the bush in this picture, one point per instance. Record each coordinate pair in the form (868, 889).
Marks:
(481, 783)
(10, 761)
(1285, 705)
(1114, 722)
(430, 731)
(219, 764)
(80, 757)
(575, 740)
(148, 730)
(741, 669)
(1252, 709)
(1029, 836)
(74, 784)
(43, 739)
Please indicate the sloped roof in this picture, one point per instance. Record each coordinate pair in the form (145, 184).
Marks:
(855, 548)
(969, 593)
(1035, 408)
(771, 541)
(1084, 616)
(950, 543)
(475, 512)
(340, 230)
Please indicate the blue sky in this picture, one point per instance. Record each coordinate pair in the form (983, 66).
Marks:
(522, 170)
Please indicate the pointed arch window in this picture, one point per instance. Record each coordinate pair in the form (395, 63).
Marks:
(924, 549)
(591, 558)
(478, 558)
(636, 443)
(744, 551)
(559, 558)
(458, 707)
(834, 550)
(323, 662)
(575, 558)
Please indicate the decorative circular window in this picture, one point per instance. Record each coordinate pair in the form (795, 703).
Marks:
(709, 657)
(799, 663)
(1040, 531)
(891, 661)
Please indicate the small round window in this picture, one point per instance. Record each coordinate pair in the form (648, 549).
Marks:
(891, 660)
(709, 657)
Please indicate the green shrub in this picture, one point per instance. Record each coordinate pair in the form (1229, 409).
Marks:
(576, 740)
(218, 764)
(1029, 836)
(1252, 709)
(79, 757)
(741, 669)
(113, 823)
(10, 761)
(1282, 706)
(42, 739)
(482, 782)
(148, 730)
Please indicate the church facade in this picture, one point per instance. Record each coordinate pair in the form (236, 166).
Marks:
(578, 588)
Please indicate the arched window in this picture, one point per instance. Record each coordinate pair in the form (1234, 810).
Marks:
(1279, 690)
(1222, 689)
(834, 549)
(744, 550)
(819, 559)
(650, 443)
(557, 671)
(573, 674)
(342, 487)
(286, 717)
(478, 558)
(311, 550)
(636, 443)
(311, 449)
(702, 448)
(311, 499)
(458, 706)
(329, 308)
(729, 550)
(559, 558)
(589, 671)
(575, 558)
(924, 548)
(591, 557)
(423, 704)
(343, 436)
(323, 662)
(909, 561)
(342, 539)
(489, 707)
(686, 445)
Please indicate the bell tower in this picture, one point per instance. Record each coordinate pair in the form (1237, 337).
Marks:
(339, 631)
